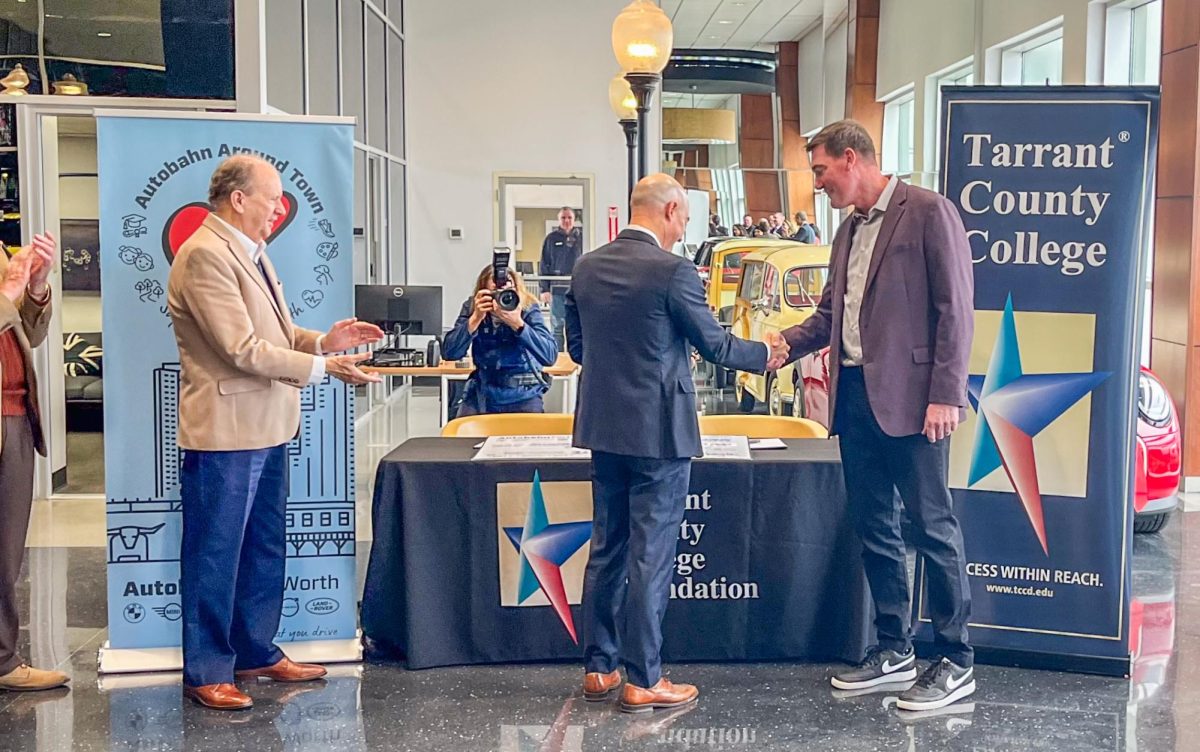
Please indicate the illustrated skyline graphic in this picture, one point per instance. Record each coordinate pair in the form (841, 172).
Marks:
(1013, 408)
(544, 548)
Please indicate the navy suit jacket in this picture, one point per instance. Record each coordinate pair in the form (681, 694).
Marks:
(634, 311)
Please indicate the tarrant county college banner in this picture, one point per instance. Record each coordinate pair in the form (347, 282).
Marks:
(154, 174)
(1053, 187)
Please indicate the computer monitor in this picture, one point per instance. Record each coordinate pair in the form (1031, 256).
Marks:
(401, 309)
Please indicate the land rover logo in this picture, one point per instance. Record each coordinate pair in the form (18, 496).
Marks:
(398, 292)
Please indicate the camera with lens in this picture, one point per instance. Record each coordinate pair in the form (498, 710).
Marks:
(507, 299)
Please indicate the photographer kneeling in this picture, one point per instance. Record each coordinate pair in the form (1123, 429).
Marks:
(509, 348)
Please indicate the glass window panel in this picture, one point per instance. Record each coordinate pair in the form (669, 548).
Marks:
(802, 287)
(395, 11)
(396, 224)
(904, 161)
(395, 100)
(360, 217)
(352, 66)
(174, 48)
(376, 83)
(1145, 43)
(322, 57)
(18, 31)
(1043, 64)
(285, 55)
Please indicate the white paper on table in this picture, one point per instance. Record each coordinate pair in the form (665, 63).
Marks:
(530, 448)
(725, 447)
(767, 444)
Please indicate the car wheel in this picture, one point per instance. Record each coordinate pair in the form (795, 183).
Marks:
(744, 397)
(798, 407)
(775, 398)
(1150, 523)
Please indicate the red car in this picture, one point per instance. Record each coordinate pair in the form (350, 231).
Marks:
(1159, 445)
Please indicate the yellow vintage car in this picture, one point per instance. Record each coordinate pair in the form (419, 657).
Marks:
(719, 265)
(780, 287)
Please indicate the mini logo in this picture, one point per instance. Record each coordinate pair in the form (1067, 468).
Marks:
(321, 606)
(398, 292)
(541, 561)
(170, 612)
(952, 685)
(134, 613)
(1013, 407)
(889, 668)
(291, 607)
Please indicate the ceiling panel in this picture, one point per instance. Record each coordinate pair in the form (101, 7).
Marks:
(743, 24)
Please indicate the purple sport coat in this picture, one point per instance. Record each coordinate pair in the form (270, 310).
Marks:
(917, 316)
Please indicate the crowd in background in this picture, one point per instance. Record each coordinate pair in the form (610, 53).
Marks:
(774, 225)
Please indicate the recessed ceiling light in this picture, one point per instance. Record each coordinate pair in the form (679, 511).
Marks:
(103, 34)
(724, 22)
(51, 15)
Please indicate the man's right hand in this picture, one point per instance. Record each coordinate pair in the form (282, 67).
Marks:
(778, 346)
(16, 278)
(547, 297)
(345, 368)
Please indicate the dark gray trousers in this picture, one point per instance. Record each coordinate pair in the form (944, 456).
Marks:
(16, 500)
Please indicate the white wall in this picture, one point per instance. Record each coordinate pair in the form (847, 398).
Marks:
(499, 87)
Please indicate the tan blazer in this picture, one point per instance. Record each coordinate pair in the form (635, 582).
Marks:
(243, 360)
(30, 322)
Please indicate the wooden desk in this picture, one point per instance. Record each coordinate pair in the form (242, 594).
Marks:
(564, 369)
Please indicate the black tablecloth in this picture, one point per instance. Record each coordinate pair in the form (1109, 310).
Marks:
(782, 576)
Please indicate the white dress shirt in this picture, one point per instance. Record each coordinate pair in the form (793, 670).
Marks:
(862, 248)
(255, 253)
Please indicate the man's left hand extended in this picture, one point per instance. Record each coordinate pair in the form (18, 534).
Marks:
(940, 421)
(350, 333)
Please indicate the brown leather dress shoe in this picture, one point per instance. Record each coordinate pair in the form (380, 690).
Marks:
(284, 671)
(662, 695)
(597, 687)
(219, 696)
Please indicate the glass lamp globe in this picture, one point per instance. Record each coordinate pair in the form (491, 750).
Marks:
(621, 99)
(642, 38)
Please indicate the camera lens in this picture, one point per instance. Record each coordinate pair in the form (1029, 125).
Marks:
(508, 300)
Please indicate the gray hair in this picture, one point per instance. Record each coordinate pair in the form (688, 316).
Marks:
(842, 135)
(234, 174)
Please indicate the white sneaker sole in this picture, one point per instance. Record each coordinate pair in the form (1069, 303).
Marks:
(896, 677)
(965, 690)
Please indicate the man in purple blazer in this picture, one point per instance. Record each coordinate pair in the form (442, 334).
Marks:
(897, 314)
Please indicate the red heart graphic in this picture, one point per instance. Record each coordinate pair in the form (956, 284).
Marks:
(184, 222)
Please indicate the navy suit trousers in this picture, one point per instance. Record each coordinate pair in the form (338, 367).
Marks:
(638, 505)
(232, 561)
(875, 467)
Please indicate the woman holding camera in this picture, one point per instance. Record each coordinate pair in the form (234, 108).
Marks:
(509, 348)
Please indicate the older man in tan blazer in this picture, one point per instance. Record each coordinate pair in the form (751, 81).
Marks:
(24, 320)
(244, 363)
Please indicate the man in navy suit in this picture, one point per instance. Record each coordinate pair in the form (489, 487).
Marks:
(634, 312)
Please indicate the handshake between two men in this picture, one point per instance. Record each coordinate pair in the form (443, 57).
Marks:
(778, 348)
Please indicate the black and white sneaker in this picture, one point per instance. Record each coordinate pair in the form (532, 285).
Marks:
(879, 667)
(942, 683)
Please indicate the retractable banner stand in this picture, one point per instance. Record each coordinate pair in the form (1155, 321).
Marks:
(1053, 185)
(154, 173)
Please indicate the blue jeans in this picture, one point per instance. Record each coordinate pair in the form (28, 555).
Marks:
(232, 561)
(638, 504)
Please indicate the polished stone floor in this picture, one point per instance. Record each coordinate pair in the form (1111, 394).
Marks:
(538, 708)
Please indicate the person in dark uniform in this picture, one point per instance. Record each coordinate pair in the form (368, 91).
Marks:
(510, 349)
(560, 250)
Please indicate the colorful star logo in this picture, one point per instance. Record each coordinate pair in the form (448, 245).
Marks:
(544, 548)
(1013, 408)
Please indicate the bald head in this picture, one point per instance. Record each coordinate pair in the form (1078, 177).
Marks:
(660, 204)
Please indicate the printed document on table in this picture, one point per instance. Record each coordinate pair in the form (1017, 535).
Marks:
(725, 447)
(530, 448)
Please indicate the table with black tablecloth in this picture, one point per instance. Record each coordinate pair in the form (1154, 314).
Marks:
(782, 576)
